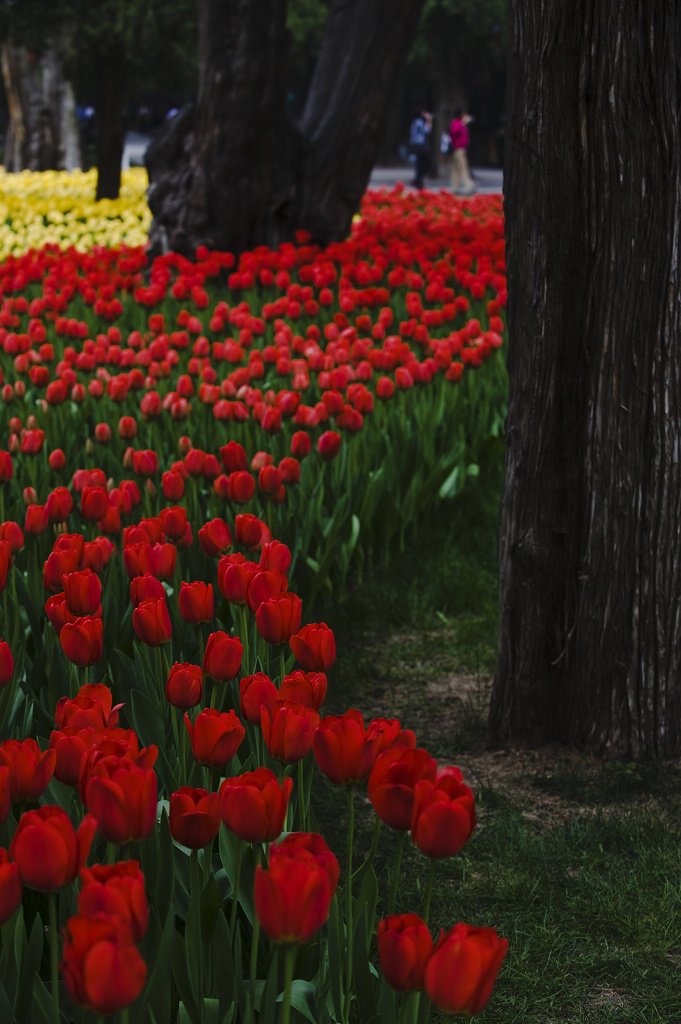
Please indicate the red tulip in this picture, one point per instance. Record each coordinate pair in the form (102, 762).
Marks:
(37, 520)
(393, 780)
(31, 769)
(57, 565)
(222, 657)
(240, 487)
(174, 520)
(444, 814)
(288, 729)
(11, 887)
(196, 602)
(314, 647)
(275, 555)
(118, 891)
(329, 444)
(184, 687)
(215, 538)
(145, 463)
(6, 467)
(234, 576)
(151, 622)
(122, 797)
(215, 737)
(264, 585)
(251, 532)
(59, 505)
(279, 617)
(404, 948)
(173, 485)
(92, 706)
(293, 896)
(82, 641)
(233, 457)
(301, 445)
(48, 850)
(308, 688)
(94, 503)
(256, 692)
(194, 817)
(461, 972)
(6, 663)
(83, 592)
(146, 588)
(253, 805)
(102, 967)
(12, 533)
(344, 749)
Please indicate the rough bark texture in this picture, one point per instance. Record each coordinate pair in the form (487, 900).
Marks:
(43, 131)
(590, 536)
(109, 120)
(247, 175)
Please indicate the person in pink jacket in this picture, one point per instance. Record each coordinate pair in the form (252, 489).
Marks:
(461, 180)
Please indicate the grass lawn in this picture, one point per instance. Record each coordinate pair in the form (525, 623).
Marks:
(577, 862)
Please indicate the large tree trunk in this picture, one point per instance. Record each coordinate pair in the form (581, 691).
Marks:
(109, 121)
(43, 131)
(590, 536)
(247, 175)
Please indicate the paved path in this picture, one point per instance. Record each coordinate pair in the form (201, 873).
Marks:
(487, 179)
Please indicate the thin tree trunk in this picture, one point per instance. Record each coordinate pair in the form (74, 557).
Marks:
(248, 175)
(590, 537)
(43, 134)
(109, 122)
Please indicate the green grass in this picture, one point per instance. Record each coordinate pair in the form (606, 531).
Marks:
(576, 862)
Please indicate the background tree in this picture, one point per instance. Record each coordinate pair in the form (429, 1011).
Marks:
(461, 50)
(590, 537)
(248, 174)
(43, 131)
(104, 51)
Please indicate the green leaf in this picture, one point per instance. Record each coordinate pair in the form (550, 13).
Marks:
(222, 963)
(303, 999)
(365, 985)
(29, 968)
(368, 897)
(182, 982)
(451, 487)
(42, 1010)
(336, 943)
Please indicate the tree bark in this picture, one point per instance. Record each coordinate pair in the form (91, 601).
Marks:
(43, 132)
(109, 122)
(590, 536)
(248, 175)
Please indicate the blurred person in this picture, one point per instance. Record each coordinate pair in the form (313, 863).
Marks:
(461, 180)
(419, 132)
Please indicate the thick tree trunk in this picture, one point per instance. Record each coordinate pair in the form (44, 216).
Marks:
(109, 122)
(43, 131)
(247, 175)
(590, 536)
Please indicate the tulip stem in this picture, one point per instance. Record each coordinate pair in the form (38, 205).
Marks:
(83, 676)
(289, 964)
(282, 663)
(254, 949)
(235, 893)
(372, 849)
(179, 746)
(348, 903)
(422, 1005)
(201, 645)
(429, 890)
(302, 809)
(54, 953)
(399, 849)
(125, 1015)
(195, 889)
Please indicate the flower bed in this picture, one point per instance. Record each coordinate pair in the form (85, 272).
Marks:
(182, 443)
